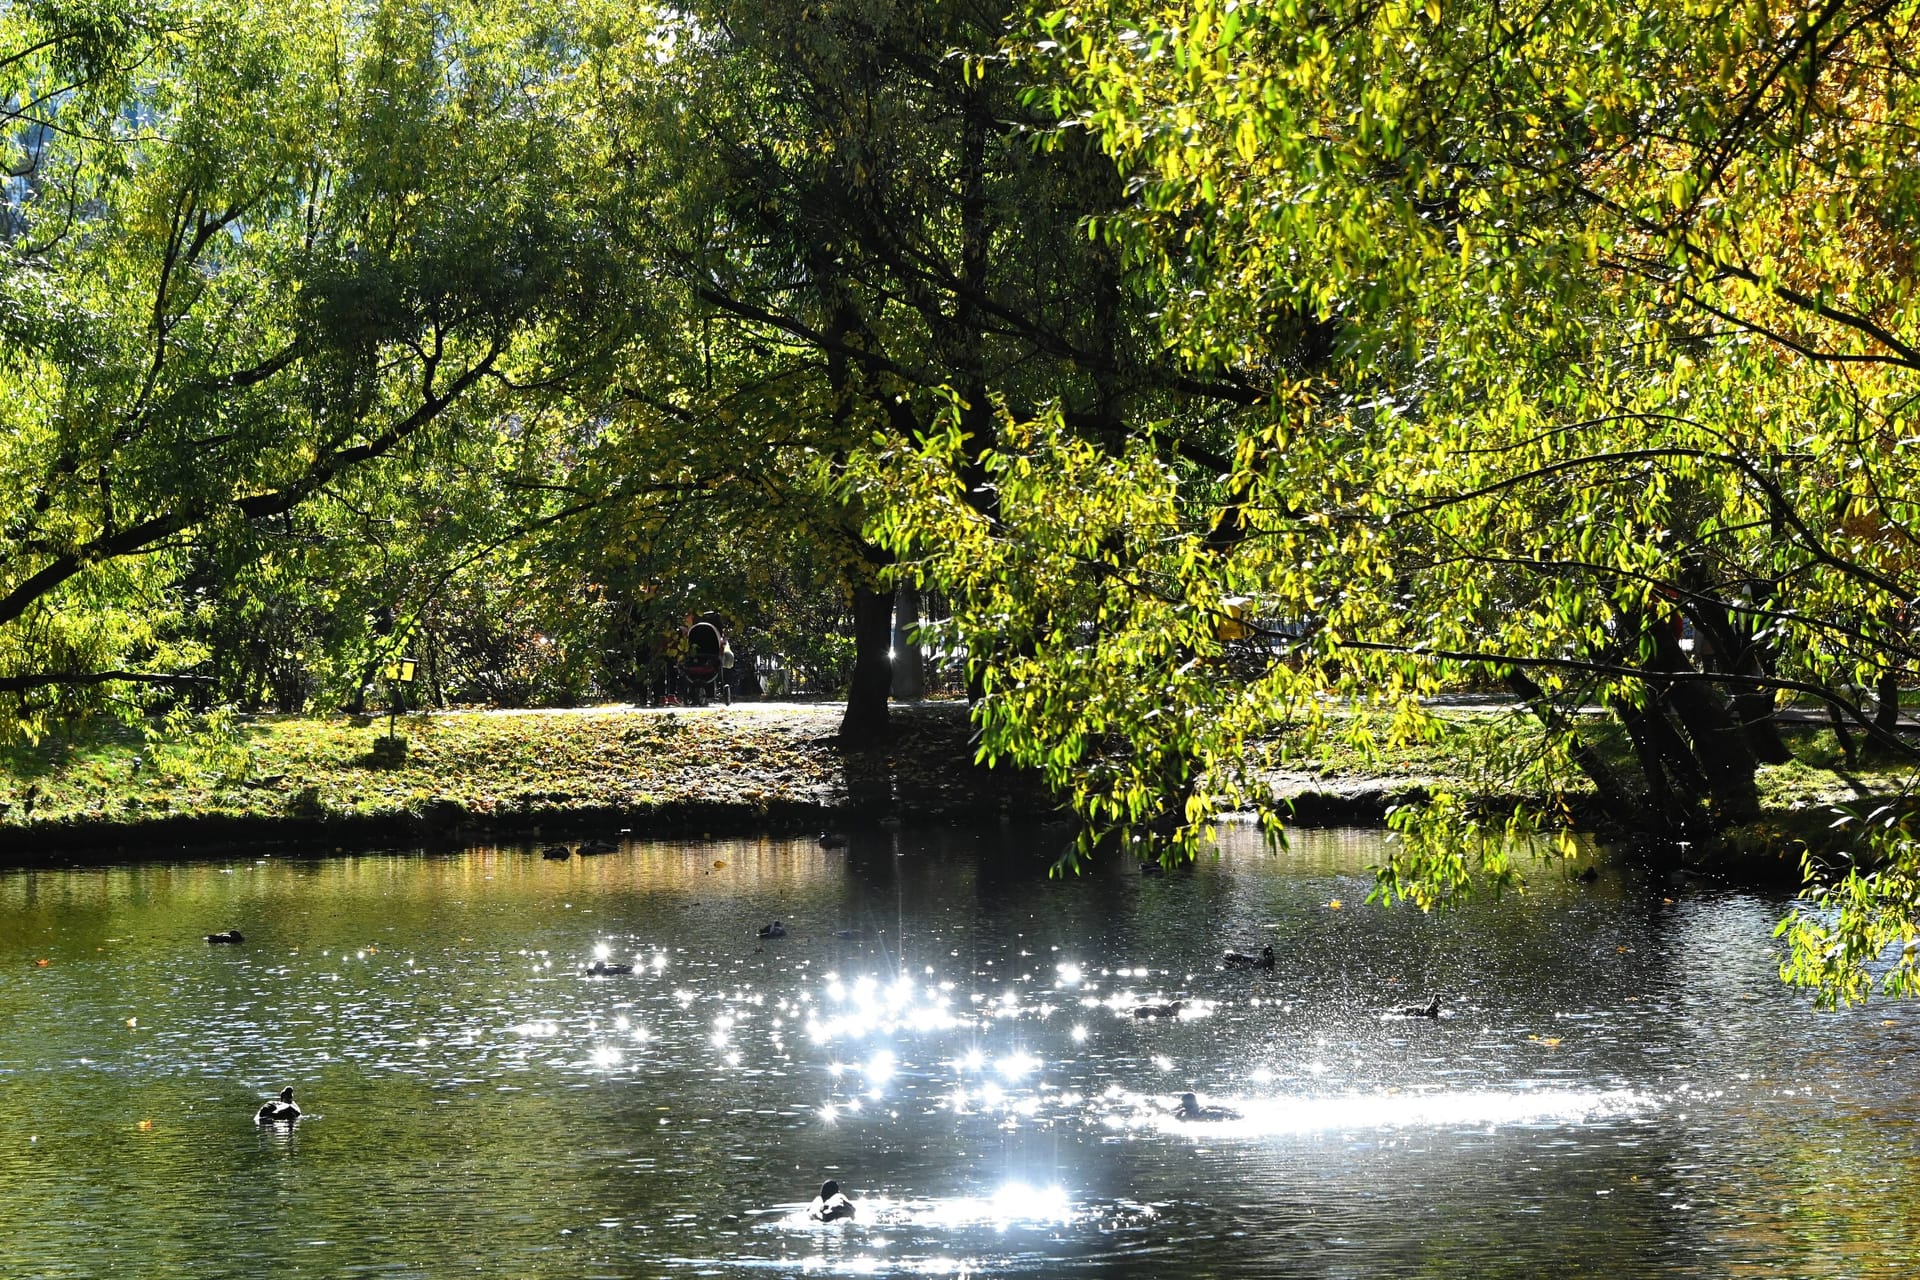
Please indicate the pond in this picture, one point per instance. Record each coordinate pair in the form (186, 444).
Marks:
(1617, 1084)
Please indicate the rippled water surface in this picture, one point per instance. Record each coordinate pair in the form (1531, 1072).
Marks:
(1618, 1086)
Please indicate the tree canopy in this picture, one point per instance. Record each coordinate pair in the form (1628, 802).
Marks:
(1244, 374)
(251, 250)
(1578, 329)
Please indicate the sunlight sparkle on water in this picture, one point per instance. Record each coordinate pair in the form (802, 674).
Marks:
(1071, 975)
(1015, 1065)
(866, 1008)
(1337, 1113)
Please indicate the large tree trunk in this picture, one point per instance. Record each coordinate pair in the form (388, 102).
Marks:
(1719, 740)
(1730, 647)
(1886, 711)
(865, 723)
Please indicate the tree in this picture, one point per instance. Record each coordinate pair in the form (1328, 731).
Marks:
(865, 221)
(1572, 328)
(282, 243)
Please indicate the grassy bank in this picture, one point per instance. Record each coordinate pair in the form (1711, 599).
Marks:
(754, 767)
(538, 774)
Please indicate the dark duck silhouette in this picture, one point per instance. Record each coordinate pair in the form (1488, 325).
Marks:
(230, 936)
(280, 1110)
(774, 930)
(832, 840)
(557, 852)
(1241, 960)
(1431, 1009)
(1190, 1109)
(1171, 1009)
(605, 968)
(831, 1204)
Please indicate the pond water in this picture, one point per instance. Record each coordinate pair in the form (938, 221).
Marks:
(1617, 1085)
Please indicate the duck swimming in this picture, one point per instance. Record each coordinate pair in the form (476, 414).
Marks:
(231, 936)
(1190, 1109)
(831, 1204)
(281, 1110)
(556, 852)
(774, 930)
(1241, 960)
(602, 968)
(1171, 1009)
(1431, 1009)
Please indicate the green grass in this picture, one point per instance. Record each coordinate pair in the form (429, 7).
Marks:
(485, 762)
(516, 767)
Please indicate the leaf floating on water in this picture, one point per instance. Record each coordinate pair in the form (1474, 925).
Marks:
(1546, 1042)
(719, 864)
(1334, 905)
(146, 1126)
(42, 963)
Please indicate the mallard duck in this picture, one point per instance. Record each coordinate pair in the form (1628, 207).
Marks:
(1171, 1009)
(774, 930)
(592, 847)
(1240, 960)
(1190, 1109)
(281, 1110)
(603, 968)
(1431, 1009)
(832, 840)
(556, 852)
(831, 1204)
(230, 936)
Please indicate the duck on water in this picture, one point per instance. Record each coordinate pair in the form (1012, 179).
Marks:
(1189, 1108)
(281, 1110)
(1241, 960)
(1171, 1009)
(831, 1204)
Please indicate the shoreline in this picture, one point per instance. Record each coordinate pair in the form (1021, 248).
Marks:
(469, 777)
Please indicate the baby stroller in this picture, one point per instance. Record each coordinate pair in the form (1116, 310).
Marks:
(704, 660)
